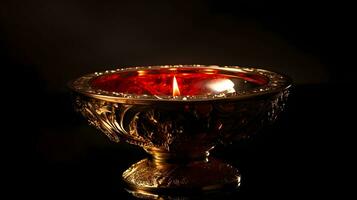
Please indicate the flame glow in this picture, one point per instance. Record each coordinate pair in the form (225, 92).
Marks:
(141, 72)
(175, 88)
(221, 85)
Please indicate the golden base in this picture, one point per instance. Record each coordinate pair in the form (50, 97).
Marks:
(147, 177)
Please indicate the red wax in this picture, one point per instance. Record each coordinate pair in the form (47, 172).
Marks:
(190, 81)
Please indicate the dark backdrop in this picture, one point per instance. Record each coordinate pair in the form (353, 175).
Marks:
(44, 44)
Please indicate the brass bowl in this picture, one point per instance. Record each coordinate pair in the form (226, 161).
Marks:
(179, 131)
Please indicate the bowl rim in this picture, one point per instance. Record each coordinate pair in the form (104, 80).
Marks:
(277, 83)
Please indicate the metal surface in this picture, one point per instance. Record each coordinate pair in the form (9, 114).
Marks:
(179, 133)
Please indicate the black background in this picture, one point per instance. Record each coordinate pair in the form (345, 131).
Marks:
(50, 151)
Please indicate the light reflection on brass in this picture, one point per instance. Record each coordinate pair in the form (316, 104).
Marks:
(179, 134)
(221, 85)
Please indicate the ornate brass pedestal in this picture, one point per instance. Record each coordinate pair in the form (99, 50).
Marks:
(182, 175)
(197, 176)
(179, 131)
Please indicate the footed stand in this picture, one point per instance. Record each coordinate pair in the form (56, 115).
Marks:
(191, 175)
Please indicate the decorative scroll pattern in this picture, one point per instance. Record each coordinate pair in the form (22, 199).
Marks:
(215, 174)
(183, 127)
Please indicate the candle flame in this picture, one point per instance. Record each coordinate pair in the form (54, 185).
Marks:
(175, 88)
